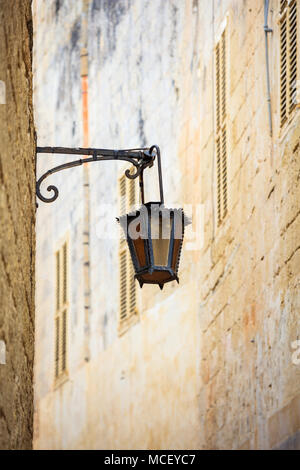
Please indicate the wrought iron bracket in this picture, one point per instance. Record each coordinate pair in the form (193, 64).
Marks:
(140, 158)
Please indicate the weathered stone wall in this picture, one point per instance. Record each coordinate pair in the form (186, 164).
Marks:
(209, 363)
(249, 281)
(17, 237)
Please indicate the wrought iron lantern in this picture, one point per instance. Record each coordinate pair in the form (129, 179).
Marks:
(154, 233)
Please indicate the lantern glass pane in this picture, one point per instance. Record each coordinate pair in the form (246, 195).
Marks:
(139, 248)
(177, 244)
(160, 235)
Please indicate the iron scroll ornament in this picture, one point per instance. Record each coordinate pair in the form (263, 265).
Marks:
(140, 158)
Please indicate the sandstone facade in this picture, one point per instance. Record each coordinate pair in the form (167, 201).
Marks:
(209, 363)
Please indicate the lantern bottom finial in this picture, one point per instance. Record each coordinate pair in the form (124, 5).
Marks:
(158, 275)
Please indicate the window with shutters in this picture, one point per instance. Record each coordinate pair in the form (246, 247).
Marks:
(128, 313)
(61, 313)
(288, 58)
(221, 131)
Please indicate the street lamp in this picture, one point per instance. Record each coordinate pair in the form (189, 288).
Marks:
(154, 233)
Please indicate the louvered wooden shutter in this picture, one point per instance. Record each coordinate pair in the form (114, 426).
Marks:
(61, 314)
(223, 78)
(224, 171)
(57, 318)
(218, 100)
(57, 280)
(65, 273)
(127, 195)
(283, 4)
(123, 252)
(219, 176)
(131, 280)
(292, 55)
(221, 132)
(57, 336)
(123, 283)
(283, 70)
(122, 193)
(64, 342)
(288, 58)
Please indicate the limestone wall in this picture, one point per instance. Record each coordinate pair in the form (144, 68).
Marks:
(17, 238)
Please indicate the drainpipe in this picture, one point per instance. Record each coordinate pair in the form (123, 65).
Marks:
(86, 179)
(268, 30)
